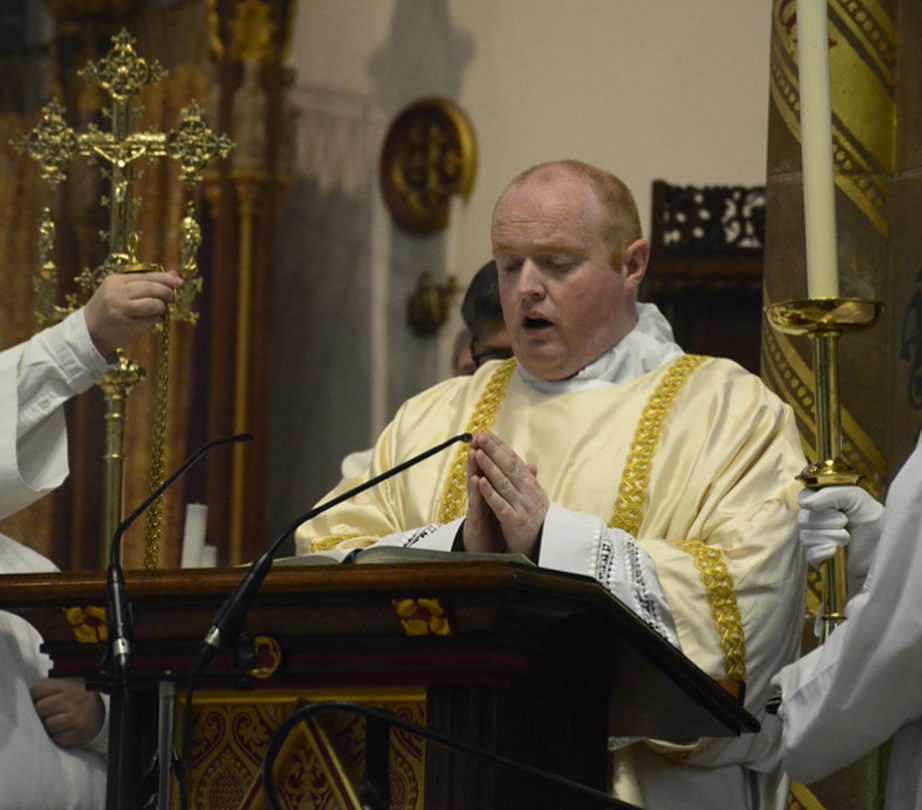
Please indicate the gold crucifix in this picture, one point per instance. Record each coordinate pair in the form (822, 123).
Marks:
(53, 144)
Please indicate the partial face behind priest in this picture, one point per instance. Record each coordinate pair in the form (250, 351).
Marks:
(566, 239)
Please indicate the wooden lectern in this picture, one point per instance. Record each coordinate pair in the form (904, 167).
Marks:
(535, 665)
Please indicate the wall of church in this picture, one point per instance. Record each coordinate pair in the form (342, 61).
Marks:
(650, 89)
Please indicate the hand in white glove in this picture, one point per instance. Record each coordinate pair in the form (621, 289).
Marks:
(838, 516)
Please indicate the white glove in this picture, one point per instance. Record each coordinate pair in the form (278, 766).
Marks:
(838, 516)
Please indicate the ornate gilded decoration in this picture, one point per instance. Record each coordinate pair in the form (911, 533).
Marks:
(718, 585)
(430, 303)
(89, 624)
(45, 280)
(268, 657)
(422, 617)
(454, 496)
(253, 29)
(53, 144)
(632, 492)
(318, 763)
(862, 57)
(116, 386)
(429, 156)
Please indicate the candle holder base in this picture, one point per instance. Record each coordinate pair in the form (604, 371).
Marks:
(823, 316)
(829, 473)
(825, 320)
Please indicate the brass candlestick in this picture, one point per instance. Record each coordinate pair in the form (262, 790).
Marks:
(53, 144)
(824, 321)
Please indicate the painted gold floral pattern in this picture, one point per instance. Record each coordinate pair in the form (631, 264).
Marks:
(89, 623)
(422, 617)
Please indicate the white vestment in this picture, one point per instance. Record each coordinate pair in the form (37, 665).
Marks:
(36, 378)
(863, 685)
(715, 458)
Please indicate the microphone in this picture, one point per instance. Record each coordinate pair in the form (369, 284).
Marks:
(117, 658)
(231, 613)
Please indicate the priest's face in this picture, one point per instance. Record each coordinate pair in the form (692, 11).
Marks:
(568, 294)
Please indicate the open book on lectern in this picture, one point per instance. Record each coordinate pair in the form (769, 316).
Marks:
(400, 554)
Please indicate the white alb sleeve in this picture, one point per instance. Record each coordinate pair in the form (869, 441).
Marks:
(583, 544)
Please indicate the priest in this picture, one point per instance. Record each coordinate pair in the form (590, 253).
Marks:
(602, 449)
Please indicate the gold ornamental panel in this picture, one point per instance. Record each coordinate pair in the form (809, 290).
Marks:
(320, 765)
(429, 156)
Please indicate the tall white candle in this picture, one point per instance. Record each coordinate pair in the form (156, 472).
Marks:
(816, 149)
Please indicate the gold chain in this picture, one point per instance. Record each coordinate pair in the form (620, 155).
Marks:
(158, 452)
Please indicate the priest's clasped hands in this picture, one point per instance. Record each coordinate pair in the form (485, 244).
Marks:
(506, 505)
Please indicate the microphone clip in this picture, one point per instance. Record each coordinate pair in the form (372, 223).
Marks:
(116, 659)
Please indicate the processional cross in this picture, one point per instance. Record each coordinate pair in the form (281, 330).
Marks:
(53, 144)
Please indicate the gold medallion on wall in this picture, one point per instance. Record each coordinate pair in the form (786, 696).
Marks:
(429, 156)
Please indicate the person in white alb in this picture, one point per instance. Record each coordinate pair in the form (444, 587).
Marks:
(861, 687)
(52, 731)
(602, 449)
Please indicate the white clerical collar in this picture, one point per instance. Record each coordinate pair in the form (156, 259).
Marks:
(646, 347)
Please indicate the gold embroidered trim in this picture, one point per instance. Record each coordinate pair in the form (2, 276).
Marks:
(724, 609)
(454, 496)
(631, 501)
(331, 541)
(632, 492)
